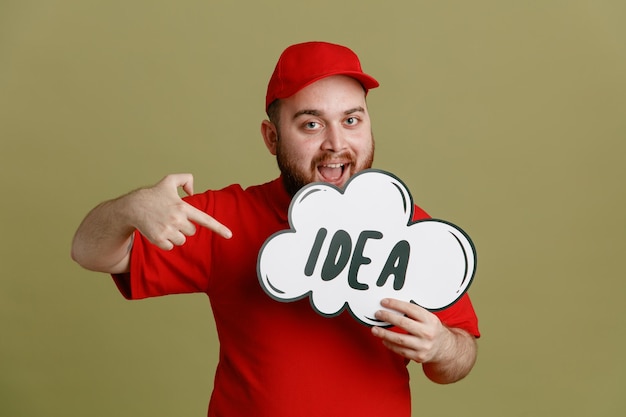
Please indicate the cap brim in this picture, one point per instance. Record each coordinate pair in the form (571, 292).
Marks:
(366, 81)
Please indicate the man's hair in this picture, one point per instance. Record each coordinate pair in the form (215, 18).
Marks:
(273, 112)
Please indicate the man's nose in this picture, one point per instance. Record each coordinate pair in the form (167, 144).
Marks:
(334, 139)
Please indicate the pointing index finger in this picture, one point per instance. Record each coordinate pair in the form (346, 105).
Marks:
(201, 218)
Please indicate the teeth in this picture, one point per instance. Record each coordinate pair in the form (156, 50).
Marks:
(334, 165)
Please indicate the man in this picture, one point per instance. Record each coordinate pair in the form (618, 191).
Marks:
(279, 359)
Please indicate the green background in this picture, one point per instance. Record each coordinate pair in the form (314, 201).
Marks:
(506, 118)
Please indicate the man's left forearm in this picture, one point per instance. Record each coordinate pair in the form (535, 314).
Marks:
(456, 361)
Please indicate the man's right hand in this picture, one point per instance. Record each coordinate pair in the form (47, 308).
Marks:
(104, 238)
(161, 215)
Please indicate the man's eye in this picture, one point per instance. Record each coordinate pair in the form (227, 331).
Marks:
(311, 125)
(352, 121)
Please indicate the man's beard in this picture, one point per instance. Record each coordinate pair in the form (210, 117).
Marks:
(294, 178)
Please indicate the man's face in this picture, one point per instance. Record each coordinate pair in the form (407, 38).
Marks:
(324, 133)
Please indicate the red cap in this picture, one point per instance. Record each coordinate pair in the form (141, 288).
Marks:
(304, 63)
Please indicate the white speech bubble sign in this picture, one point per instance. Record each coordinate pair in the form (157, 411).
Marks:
(350, 248)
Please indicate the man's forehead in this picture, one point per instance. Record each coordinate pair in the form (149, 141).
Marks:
(331, 83)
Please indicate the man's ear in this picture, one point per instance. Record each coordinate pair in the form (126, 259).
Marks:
(270, 135)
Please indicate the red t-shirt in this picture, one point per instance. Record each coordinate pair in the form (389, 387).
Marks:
(276, 359)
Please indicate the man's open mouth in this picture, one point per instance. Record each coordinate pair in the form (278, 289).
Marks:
(332, 172)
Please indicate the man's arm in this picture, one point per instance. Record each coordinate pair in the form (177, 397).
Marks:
(446, 354)
(104, 238)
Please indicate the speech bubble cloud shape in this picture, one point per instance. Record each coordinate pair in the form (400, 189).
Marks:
(350, 248)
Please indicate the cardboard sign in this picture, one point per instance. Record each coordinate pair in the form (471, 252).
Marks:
(350, 248)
